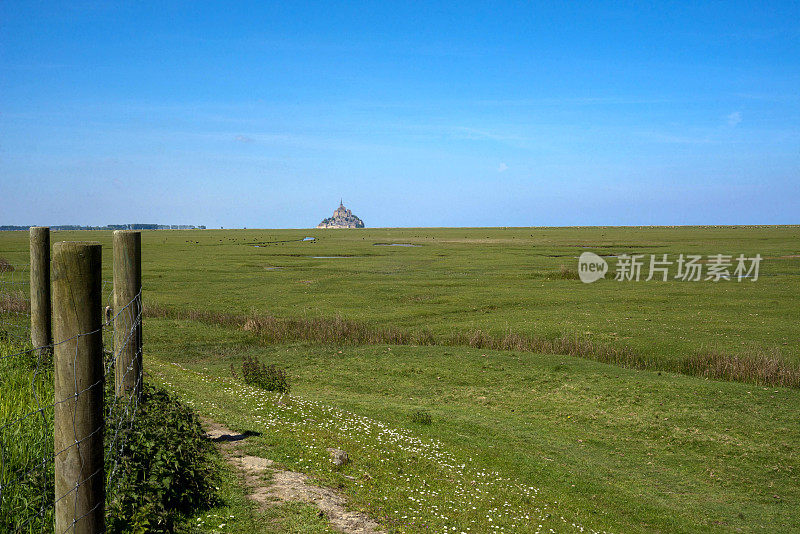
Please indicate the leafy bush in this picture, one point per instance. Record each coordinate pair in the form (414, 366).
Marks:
(268, 377)
(165, 469)
(159, 468)
(422, 417)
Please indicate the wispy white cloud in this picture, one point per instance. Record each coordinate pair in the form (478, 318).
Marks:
(243, 139)
(734, 118)
(502, 167)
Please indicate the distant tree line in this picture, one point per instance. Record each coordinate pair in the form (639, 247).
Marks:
(137, 226)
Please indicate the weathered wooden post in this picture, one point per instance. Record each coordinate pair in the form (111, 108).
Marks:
(78, 367)
(127, 312)
(41, 332)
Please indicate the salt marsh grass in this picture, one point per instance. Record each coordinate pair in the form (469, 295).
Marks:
(754, 365)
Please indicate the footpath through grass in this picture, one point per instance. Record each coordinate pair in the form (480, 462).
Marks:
(525, 439)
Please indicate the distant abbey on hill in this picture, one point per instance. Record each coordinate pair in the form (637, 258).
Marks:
(342, 218)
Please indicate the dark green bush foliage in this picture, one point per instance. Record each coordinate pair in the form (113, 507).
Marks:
(165, 469)
(422, 417)
(268, 377)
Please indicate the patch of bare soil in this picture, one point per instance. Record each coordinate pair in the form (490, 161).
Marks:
(269, 484)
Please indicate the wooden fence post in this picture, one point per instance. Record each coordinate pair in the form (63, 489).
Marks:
(41, 332)
(127, 312)
(78, 367)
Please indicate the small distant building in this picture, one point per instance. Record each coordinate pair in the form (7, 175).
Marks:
(342, 218)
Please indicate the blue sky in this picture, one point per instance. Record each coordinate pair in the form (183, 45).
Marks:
(262, 114)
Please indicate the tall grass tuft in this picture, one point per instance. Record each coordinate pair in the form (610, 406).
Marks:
(571, 345)
(224, 319)
(267, 377)
(5, 266)
(334, 330)
(758, 366)
(563, 273)
(14, 302)
(26, 438)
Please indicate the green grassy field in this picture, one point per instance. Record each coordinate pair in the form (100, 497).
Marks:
(492, 279)
(603, 447)
(527, 439)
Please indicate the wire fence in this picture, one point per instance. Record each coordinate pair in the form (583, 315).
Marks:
(63, 431)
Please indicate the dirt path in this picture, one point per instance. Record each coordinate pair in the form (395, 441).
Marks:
(280, 485)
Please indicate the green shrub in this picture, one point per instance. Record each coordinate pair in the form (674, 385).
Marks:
(268, 377)
(422, 417)
(164, 471)
(159, 467)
